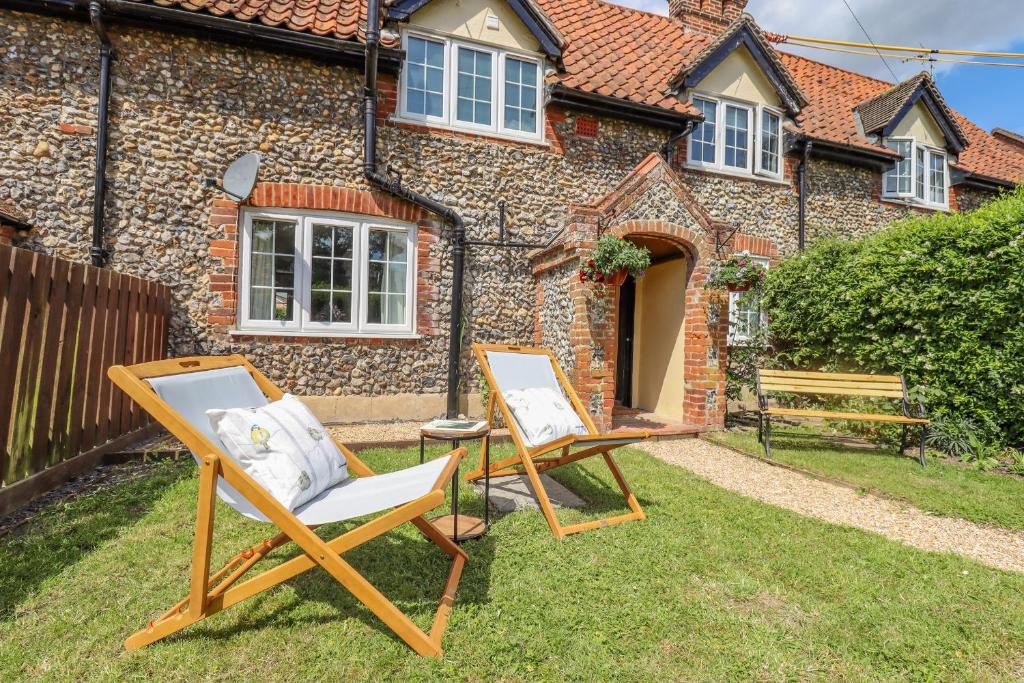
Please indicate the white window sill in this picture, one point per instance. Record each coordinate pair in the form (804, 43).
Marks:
(467, 130)
(323, 335)
(915, 204)
(721, 170)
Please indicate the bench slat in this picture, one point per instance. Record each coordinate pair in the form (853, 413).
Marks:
(798, 412)
(802, 374)
(837, 391)
(836, 384)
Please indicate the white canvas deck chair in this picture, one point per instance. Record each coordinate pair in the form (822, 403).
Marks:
(177, 393)
(517, 368)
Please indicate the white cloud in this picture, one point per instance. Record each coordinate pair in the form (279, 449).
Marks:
(951, 24)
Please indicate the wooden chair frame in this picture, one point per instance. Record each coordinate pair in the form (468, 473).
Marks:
(210, 594)
(531, 460)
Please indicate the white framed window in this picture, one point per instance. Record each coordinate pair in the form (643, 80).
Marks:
(746, 316)
(920, 177)
(325, 272)
(736, 137)
(770, 160)
(456, 84)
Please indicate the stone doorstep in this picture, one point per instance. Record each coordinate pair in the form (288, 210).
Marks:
(514, 492)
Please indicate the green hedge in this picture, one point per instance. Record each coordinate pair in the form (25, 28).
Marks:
(939, 299)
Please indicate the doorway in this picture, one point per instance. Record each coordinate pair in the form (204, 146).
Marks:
(626, 332)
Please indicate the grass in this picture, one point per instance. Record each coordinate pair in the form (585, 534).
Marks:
(711, 586)
(940, 487)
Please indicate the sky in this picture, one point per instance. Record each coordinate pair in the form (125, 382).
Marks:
(989, 96)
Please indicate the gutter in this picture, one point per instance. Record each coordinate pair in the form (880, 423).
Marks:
(393, 185)
(801, 174)
(206, 26)
(97, 251)
(605, 105)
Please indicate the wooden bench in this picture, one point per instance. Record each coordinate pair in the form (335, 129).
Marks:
(835, 384)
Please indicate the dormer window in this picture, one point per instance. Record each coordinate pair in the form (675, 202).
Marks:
(737, 138)
(920, 177)
(471, 87)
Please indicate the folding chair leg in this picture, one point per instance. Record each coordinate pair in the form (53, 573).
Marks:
(208, 472)
(542, 498)
(924, 437)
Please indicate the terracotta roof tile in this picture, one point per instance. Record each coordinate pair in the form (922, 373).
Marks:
(342, 19)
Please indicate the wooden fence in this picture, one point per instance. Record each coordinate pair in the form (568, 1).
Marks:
(62, 324)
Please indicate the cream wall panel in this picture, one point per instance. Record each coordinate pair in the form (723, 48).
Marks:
(468, 19)
(659, 344)
(740, 77)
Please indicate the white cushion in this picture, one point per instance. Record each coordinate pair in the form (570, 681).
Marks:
(543, 415)
(283, 447)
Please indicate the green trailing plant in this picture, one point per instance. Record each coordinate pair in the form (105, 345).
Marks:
(938, 299)
(613, 254)
(738, 273)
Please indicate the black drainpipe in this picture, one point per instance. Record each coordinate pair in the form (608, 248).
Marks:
(394, 186)
(801, 172)
(97, 251)
(669, 152)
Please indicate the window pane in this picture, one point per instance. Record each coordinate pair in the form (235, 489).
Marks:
(375, 309)
(284, 271)
(736, 128)
(520, 95)
(321, 278)
(702, 141)
(424, 87)
(343, 242)
(284, 238)
(283, 299)
(375, 277)
(919, 175)
(473, 103)
(395, 314)
(937, 178)
(263, 236)
(396, 278)
(320, 307)
(397, 247)
(262, 270)
(341, 311)
(259, 303)
(770, 125)
(323, 239)
(378, 245)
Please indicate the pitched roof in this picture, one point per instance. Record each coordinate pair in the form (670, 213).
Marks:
(743, 31)
(342, 19)
(880, 113)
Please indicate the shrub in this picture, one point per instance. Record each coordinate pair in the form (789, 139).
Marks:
(939, 299)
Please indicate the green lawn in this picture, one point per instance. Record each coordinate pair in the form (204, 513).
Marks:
(711, 586)
(939, 487)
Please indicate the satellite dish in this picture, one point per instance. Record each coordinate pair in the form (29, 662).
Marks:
(240, 177)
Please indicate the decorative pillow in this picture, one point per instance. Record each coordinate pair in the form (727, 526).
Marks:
(543, 415)
(283, 447)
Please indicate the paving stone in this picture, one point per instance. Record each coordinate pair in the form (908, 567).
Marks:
(512, 493)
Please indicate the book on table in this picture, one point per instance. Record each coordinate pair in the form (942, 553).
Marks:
(455, 426)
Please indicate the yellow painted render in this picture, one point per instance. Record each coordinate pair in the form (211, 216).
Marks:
(919, 123)
(659, 342)
(739, 77)
(467, 19)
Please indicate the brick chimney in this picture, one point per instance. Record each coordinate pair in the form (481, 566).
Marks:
(706, 16)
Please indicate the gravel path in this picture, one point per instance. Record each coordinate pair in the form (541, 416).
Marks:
(999, 548)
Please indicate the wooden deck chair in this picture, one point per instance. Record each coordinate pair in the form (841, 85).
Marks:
(509, 368)
(177, 393)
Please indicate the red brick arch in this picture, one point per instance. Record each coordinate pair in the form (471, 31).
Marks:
(705, 351)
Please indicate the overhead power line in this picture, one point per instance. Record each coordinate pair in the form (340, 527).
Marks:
(870, 40)
(904, 57)
(784, 38)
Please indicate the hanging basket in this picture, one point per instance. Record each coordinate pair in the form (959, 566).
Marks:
(734, 287)
(617, 278)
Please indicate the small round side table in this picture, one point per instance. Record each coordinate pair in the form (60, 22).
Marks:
(458, 527)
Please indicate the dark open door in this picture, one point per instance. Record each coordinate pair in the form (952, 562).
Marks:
(624, 358)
